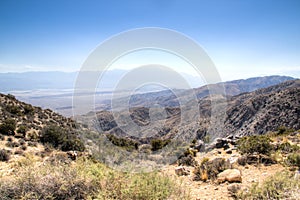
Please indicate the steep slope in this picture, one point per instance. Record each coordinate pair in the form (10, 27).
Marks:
(250, 113)
(34, 125)
(34, 118)
(265, 110)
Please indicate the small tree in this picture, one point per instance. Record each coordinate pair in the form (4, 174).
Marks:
(61, 138)
(53, 135)
(74, 144)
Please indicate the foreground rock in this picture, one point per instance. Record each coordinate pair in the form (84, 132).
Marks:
(230, 175)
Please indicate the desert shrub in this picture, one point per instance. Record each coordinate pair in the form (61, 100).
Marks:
(286, 147)
(282, 185)
(157, 144)
(22, 142)
(282, 130)
(53, 135)
(28, 109)
(73, 144)
(293, 160)
(32, 136)
(206, 139)
(4, 155)
(191, 152)
(10, 96)
(210, 169)
(23, 147)
(188, 158)
(204, 160)
(32, 144)
(22, 130)
(86, 179)
(12, 144)
(8, 127)
(61, 138)
(128, 144)
(255, 144)
(13, 109)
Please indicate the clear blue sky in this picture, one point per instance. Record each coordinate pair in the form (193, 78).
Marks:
(243, 37)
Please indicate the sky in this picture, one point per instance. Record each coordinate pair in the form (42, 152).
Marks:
(244, 38)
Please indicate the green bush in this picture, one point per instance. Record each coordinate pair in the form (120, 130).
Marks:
(22, 130)
(157, 144)
(255, 144)
(282, 130)
(286, 147)
(8, 127)
(28, 109)
(4, 155)
(13, 109)
(61, 138)
(53, 135)
(128, 144)
(72, 144)
(293, 160)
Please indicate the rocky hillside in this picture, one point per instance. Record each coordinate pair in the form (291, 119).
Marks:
(33, 124)
(264, 110)
(249, 113)
(35, 118)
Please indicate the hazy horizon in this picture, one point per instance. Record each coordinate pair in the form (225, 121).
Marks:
(243, 38)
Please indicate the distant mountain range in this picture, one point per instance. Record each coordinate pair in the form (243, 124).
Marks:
(231, 88)
(55, 80)
(253, 106)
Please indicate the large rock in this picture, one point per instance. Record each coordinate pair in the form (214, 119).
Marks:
(230, 175)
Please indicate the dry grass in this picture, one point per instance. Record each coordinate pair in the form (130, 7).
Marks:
(83, 179)
(282, 185)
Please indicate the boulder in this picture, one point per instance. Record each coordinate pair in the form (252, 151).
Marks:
(230, 175)
(181, 171)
